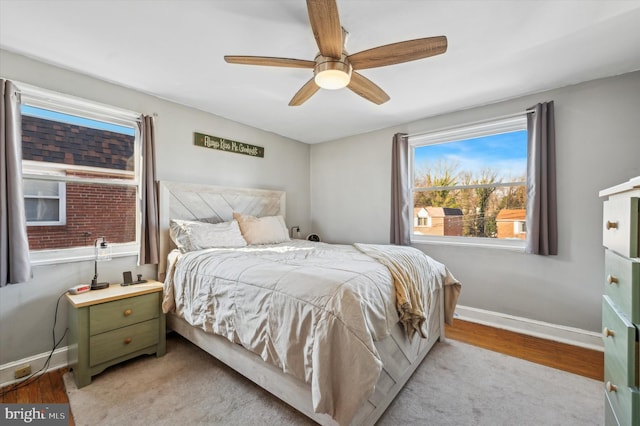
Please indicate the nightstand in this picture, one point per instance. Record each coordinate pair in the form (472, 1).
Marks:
(112, 325)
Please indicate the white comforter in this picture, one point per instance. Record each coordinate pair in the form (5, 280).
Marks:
(312, 309)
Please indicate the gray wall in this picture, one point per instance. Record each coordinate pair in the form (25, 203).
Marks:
(348, 180)
(26, 310)
(598, 145)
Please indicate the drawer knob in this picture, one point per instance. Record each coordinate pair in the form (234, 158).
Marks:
(611, 387)
(612, 225)
(611, 279)
(607, 332)
(127, 312)
(127, 340)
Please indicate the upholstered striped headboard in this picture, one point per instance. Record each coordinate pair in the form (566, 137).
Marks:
(210, 203)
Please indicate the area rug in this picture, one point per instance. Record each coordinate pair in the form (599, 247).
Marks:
(457, 384)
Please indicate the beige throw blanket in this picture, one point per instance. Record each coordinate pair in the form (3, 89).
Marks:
(413, 273)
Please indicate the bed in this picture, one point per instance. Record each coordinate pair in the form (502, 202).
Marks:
(312, 323)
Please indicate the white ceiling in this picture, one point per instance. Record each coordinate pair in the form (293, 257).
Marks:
(174, 50)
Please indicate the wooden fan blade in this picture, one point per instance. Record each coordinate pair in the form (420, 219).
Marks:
(397, 53)
(366, 88)
(325, 23)
(270, 62)
(304, 93)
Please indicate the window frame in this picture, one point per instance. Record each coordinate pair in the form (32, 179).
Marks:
(43, 171)
(516, 122)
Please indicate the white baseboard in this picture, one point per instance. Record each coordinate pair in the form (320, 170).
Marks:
(543, 330)
(58, 360)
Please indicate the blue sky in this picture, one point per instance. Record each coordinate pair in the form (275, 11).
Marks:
(72, 119)
(505, 153)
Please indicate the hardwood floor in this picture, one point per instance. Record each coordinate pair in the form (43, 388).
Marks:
(574, 359)
(49, 388)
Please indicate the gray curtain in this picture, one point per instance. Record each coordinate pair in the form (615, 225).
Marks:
(149, 241)
(15, 265)
(542, 220)
(400, 199)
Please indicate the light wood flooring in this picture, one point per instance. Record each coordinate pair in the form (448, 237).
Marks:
(49, 388)
(574, 359)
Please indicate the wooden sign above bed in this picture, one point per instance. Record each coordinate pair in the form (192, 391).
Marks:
(228, 145)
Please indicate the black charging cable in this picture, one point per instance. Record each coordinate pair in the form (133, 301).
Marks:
(33, 377)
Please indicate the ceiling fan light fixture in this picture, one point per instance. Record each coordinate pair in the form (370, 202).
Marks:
(332, 73)
(333, 67)
(332, 79)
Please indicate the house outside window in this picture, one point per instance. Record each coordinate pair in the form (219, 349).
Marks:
(80, 176)
(469, 184)
(512, 223)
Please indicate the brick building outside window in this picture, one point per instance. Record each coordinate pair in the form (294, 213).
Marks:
(64, 208)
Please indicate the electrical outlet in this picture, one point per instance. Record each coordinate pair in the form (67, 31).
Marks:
(23, 371)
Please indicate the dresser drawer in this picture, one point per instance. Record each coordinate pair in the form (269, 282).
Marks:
(113, 344)
(124, 312)
(625, 402)
(620, 346)
(610, 418)
(620, 229)
(622, 284)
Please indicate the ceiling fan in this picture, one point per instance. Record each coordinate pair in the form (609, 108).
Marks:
(334, 68)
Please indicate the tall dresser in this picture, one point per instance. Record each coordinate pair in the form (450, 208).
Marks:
(621, 303)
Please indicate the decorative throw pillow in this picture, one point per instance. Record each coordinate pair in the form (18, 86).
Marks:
(191, 235)
(262, 230)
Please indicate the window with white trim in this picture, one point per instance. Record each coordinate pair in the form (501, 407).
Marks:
(44, 202)
(81, 167)
(468, 184)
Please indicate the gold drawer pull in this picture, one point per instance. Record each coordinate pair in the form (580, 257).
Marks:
(612, 225)
(611, 387)
(127, 312)
(606, 332)
(611, 279)
(127, 340)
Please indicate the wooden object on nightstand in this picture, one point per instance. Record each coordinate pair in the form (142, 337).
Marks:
(112, 325)
(621, 303)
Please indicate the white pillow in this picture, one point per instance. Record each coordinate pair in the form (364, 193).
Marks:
(262, 230)
(191, 235)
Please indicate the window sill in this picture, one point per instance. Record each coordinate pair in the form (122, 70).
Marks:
(512, 245)
(79, 254)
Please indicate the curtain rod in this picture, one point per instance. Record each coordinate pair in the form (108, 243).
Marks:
(502, 117)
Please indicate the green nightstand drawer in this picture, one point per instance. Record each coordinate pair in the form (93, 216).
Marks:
(622, 284)
(620, 346)
(120, 313)
(113, 344)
